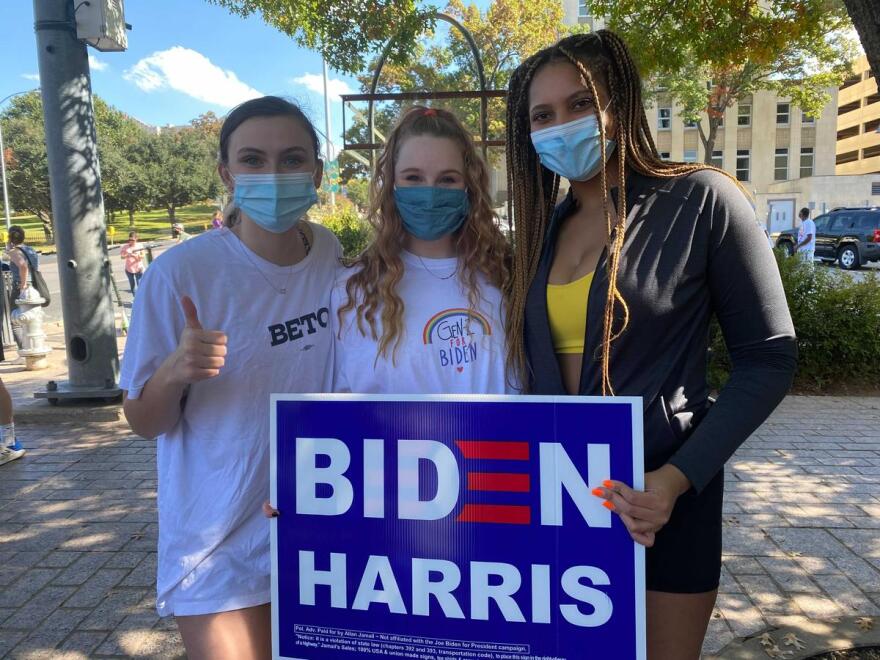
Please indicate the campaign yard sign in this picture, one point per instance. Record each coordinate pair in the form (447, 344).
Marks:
(441, 527)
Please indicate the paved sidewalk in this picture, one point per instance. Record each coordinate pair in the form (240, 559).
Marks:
(78, 534)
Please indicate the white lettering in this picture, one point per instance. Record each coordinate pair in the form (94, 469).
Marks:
(482, 592)
(602, 606)
(558, 473)
(423, 587)
(309, 475)
(378, 567)
(309, 578)
(409, 453)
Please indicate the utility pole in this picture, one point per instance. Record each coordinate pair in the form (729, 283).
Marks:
(327, 128)
(77, 207)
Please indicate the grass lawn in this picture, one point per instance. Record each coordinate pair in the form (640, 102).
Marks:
(150, 225)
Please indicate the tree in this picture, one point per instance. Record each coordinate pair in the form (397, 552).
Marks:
(26, 161)
(865, 15)
(121, 152)
(708, 59)
(505, 33)
(343, 32)
(182, 169)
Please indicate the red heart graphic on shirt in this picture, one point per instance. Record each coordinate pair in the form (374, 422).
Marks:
(459, 369)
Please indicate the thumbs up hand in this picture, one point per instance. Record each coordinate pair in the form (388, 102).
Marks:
(201, 354)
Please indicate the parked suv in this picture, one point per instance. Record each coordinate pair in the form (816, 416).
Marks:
(849, 236)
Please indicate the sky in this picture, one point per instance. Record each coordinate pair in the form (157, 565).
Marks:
(184, 58)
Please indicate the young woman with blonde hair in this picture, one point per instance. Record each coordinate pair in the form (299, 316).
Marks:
(420, 310)
(612, 292)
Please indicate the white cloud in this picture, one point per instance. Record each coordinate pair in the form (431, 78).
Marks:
(95, 64)
(31, 76)
(189, 72)
(315, 83)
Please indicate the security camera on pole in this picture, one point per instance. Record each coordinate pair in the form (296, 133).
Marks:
(63, 27)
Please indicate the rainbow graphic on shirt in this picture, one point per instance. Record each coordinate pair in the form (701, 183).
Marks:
(452, 333)
(451, 323)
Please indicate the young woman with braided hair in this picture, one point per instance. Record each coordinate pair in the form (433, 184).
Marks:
(612, 292)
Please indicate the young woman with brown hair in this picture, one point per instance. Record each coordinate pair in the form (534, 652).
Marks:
(419, 311)
(206, 348)
(612, 292)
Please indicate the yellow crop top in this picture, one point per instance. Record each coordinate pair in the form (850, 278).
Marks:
(567, 312)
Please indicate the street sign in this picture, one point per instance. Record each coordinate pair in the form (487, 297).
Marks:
(454, 527)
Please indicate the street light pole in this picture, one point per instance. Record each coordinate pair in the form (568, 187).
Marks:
(327, 138)
(77, 207)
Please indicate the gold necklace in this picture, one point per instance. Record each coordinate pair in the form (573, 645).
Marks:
(283, 289)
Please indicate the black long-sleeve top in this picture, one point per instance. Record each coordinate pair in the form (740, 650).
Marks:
(692, 249)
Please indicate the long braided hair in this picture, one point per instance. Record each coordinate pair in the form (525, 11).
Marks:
(533, 189)
(479, 243)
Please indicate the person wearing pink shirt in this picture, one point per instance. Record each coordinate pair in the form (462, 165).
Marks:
(134, 261)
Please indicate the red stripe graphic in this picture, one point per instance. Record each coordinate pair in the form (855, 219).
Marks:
(491, 450)
(506, 482)
(496, 513)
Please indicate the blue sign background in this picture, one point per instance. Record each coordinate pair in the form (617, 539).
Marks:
(572, 421)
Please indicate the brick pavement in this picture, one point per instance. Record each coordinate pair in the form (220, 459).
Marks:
(78, 533)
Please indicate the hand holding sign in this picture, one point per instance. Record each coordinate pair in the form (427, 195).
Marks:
(645, 513)
(201, 354)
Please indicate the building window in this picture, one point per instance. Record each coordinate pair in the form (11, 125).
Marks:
(783, 113)
(780, 165)
(807, 119)
(806, 161)
(690, 155)
(664, 155)
(871, 152)
(744, 115)
(848, 157)
(717, 159)
(875, 187)
(852, 131)
(583, 9)
(690, 124)
(664, 118)
(743, 162)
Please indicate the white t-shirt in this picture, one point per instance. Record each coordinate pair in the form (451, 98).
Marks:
(447, 348)
(214, 465)
(807, 227)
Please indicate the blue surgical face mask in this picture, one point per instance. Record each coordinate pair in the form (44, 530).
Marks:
(572, 150)
(276, 202)
(430, 213)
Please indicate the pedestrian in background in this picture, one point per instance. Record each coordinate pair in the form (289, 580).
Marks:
(806, 247)
(134, 261)
(10, 446)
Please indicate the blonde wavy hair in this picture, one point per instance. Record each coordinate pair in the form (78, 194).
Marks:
(479, 243)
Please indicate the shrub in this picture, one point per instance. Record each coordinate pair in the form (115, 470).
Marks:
(345, 221)
(837, 323)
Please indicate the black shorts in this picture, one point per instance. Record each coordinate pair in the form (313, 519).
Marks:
(686, 557)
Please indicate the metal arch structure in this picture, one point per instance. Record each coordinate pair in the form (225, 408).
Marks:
(483, 94)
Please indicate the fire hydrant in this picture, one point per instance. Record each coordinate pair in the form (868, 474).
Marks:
(29, 316)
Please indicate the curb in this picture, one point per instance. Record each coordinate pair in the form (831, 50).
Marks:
(43, 412)
(799, 638)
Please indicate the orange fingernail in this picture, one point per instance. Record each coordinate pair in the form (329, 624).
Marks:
(598, 492)
(608, 484)
(608, 505)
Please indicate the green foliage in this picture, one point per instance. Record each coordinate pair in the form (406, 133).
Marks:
(182, 168)
(505, 33)
(837, 322)
(343, 32)
(348, 225)
(358, 192)
(139, 170)
(708, 58)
